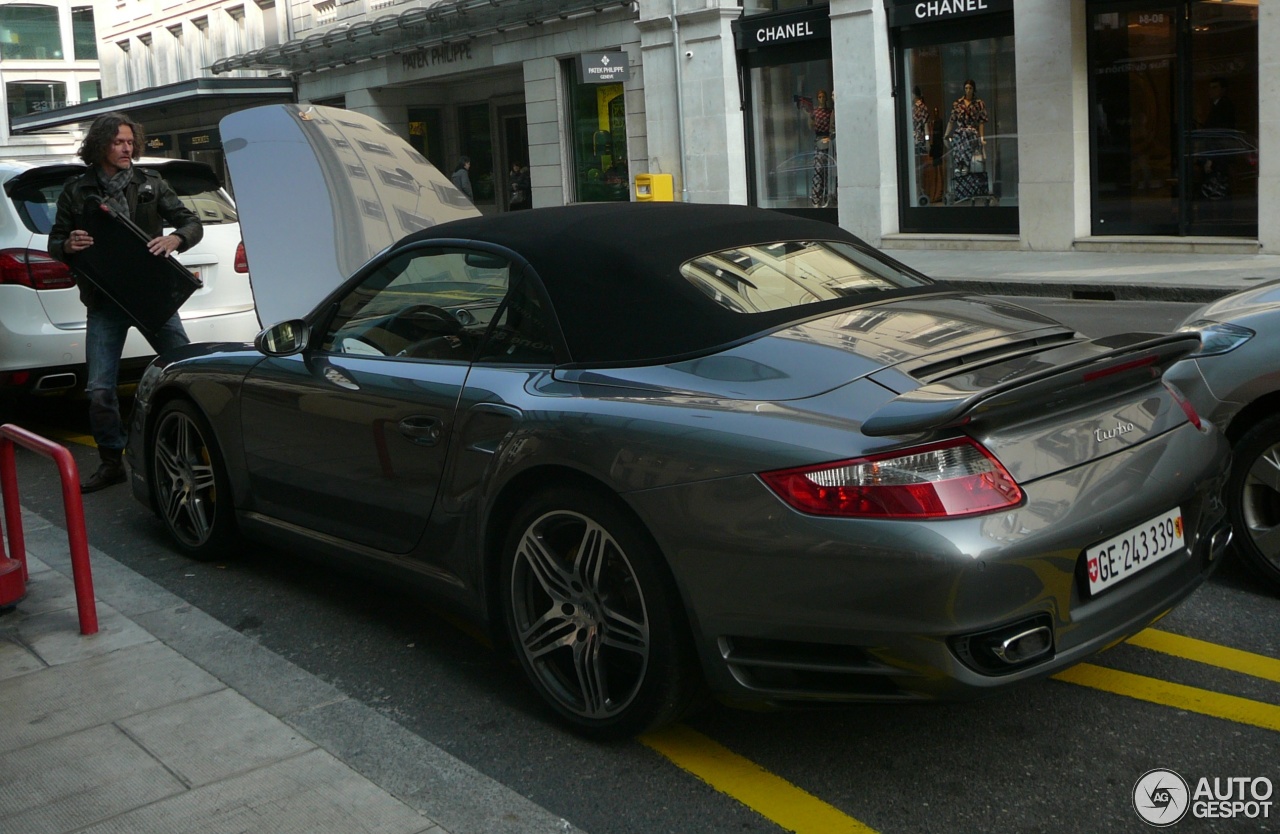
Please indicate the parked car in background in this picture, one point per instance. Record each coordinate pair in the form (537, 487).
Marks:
(1234, 380)
(42, 322)
(728, 449)
(1225, 162)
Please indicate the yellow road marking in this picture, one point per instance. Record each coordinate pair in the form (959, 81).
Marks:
(770, 796)
(1211, 654)
(1189, 698)
(64, 436)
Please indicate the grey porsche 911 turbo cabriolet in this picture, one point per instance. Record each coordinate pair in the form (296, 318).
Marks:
(666, 450)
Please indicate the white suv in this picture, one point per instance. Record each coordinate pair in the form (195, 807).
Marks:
(42, 322)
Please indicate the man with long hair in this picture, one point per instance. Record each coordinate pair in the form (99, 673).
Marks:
(110, 147)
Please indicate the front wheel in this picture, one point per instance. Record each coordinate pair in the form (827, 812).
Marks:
(1253, 497)
(189, 482)
(594, 617)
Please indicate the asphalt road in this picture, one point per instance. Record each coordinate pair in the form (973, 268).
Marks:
(1057, 755)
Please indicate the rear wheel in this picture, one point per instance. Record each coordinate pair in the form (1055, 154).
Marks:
(189, 482)
(594, 617)
(1253, 497)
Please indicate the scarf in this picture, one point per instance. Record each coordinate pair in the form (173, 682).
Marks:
(113, 186)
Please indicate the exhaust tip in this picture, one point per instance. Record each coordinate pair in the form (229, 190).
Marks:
(1009, 648)
(55, 382)
(1024, 646)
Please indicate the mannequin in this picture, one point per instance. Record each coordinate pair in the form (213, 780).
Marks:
(822, 121)
(965, 128)
(920, 138)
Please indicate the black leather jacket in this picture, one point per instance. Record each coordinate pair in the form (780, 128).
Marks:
(152, 203)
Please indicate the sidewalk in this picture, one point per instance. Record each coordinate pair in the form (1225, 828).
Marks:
(1101, 275)
(168, 721)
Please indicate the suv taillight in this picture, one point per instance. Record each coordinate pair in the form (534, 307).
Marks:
(31, 268)
(242, 260)
(941, 480)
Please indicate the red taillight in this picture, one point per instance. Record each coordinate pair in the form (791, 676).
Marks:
(31, 268)
(242, 260)
(941, 480)
(1187, 408)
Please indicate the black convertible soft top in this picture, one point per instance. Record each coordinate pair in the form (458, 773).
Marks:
(612, 271)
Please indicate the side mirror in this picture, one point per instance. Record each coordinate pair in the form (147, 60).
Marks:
(284, 339)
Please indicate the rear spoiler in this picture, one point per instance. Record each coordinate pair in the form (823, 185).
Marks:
(1081, 371)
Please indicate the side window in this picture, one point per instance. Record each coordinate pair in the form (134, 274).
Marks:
(434, 305)
(524, 332)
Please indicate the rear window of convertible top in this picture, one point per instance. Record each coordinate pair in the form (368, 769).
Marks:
(777, 276)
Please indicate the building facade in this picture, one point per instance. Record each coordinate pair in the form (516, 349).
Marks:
(1044, 125)
(155, 58)
(48, 61)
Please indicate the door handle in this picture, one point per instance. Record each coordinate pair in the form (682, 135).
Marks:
(421, 429)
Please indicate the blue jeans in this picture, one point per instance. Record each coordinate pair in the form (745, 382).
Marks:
(103, 344)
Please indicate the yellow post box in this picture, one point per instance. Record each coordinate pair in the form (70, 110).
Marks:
(655, 188)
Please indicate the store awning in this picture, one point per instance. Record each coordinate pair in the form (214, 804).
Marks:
(197, 97)
(427, 24)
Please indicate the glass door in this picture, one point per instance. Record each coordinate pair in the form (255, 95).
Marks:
(1221, 147)
(1173, 118)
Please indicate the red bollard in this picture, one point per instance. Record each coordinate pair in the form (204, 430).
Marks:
(81, 575)
(13, 574)
(13, 583)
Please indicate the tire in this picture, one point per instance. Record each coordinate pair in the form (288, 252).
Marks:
(599, 630)
(1253, 498)
(189, 483)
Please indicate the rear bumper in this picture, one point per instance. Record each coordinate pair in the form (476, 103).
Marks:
(793, 608)
(40, 358)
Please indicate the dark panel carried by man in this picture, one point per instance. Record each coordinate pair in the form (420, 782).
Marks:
(148, 289)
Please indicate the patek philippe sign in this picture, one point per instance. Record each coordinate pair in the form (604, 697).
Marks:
(604, 67)
(907, 12)
(448, 53)
(763, 31)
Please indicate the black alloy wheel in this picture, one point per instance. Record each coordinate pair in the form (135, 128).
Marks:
(1253, 498)
(594, 617)
(189, 482)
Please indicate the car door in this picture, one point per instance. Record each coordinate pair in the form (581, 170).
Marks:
(350, 437)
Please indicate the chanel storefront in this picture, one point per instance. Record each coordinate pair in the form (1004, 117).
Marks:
(789, 109)
(957, 115)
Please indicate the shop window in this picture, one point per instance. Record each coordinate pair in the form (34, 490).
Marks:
(270, 25)
(960, 124)
(793, 124)
(30, 33)
(762, 6)
(426, 136)
(475, 141)
(177, 53)
(35, 96)
(235, 30)
(83, 33)
(146, 62)
(598, 137)
(90, 90)
(200, 44)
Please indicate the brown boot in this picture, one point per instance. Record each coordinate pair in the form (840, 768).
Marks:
(109, 473)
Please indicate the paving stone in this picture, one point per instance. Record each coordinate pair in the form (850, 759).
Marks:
(75, 696)
(214, 737)
(307, 794)
(75, 780)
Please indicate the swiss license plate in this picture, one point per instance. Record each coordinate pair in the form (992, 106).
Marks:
(1136, 549)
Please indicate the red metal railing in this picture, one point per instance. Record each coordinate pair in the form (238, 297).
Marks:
(81, 576)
